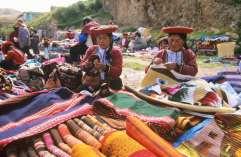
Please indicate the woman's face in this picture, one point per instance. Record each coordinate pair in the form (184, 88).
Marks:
(175, 42)
(163, 45)
(103, 41)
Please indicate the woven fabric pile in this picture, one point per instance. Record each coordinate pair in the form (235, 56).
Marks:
(63, 123)
(180, 116)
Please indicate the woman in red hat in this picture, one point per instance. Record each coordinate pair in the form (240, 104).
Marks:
(177, 57)
(78, 50)
(13, 57)
(104, 57)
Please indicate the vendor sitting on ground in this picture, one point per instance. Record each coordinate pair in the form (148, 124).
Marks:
(138, 43)
(163, 44)
(109, 62)
(177, 57)
(125, 41)
(13, 57)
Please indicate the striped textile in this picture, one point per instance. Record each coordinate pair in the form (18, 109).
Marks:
(208, 141)
(59, 142)
(17, 100)
(83, 135)
(218, 137)
(231, 125)
(189, 134)
(27, 108)
(123, 104)
(67, 136)
(87, 128)
(51, 147)
(234, 78)
(40, 148)
(139, 131)
(41, 113)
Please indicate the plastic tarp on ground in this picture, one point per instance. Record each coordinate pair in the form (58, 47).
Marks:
(215, 38)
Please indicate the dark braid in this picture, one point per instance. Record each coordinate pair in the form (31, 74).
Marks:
(108, 52)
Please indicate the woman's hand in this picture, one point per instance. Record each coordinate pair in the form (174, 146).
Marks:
(89, 65)
(15, 39)
(171, 66)
(157, 61)
(98, 65)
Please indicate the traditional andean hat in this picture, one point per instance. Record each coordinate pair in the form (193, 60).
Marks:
(6, 45)
(177, 29)
(103, 29)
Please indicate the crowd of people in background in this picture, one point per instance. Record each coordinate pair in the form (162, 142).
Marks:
(98, 53)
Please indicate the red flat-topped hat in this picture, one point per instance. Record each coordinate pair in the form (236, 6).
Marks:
(103, 29)
(87, 27)
(6, 46)
(177, 29)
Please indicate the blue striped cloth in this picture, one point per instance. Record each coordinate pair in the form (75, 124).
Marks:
(233, 78)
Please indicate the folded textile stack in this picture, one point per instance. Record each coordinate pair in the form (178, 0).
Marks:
(218, 137)
(62, 123)
(32, 75)
(91, 135)
(234, 78)
(59, 141)
(69, 76)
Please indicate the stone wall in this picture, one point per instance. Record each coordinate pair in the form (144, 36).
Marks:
(195, 13)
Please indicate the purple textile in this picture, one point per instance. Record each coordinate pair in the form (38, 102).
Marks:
(233, 78)
(14, 113)
(51, 115)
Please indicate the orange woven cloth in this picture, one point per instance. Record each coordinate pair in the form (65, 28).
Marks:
(119, 144)
(83, 150)
(138, 130)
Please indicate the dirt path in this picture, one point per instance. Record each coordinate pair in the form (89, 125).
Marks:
(132, 77)
(212, 71)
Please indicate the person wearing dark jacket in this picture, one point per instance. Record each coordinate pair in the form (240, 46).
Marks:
(35, 42)
(85, 40)
(24, 38)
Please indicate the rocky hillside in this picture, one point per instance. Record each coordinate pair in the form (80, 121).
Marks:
(197, 13)
(9, 12)
(8, 15)
(72, 16)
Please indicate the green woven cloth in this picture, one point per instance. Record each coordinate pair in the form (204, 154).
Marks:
(125, 101)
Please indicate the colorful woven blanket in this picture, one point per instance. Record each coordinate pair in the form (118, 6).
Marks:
(219, 137)
(122, 104)
(40, 113)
